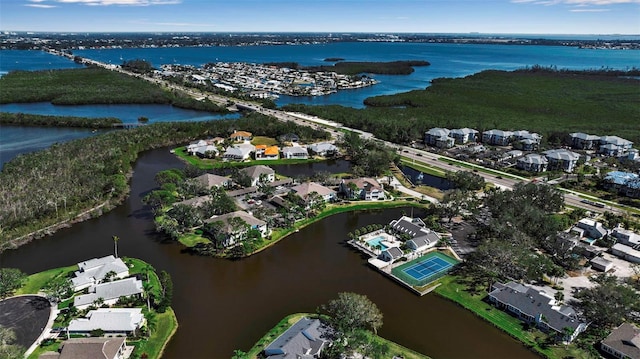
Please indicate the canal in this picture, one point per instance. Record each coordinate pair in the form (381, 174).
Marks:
(224, 305)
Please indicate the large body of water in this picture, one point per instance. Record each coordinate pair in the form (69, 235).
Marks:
(224, 305)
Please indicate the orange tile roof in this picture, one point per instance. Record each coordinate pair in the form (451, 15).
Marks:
(240, 134)
(261, 147)
(273, 150)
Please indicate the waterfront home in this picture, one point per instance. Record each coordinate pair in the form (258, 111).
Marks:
(304, 339)
(209, 180)
(236, 233)
(93, 271)
(238, 152)
(305, 189)
(295, 152)
(364, 188)
(241, 136)
(193, 146)
(264, 152)
(438, 137)
(497, 137)
(623, 342)
(324, 149)
(561, 159)
(259, 174)
(537, 308)
(614, 146)
(391, 254)
(583, 141)
(108, 293)
(532, 162)
(89, 348)
(416, 231)
(113, 321)
(464, 135)
(625, 183)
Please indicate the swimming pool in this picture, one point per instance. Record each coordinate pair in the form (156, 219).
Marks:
(376, 242)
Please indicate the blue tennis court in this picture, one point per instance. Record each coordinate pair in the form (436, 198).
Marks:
(427, 267)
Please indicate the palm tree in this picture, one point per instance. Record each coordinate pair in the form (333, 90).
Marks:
(115, 244)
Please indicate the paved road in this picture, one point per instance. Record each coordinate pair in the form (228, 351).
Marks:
(500, 179)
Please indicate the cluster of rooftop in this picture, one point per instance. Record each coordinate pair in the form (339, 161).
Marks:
(264, 81)
(554, 159)
(240, 148)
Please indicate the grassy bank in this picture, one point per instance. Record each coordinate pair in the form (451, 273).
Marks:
(35, 282)
(282, 326)
(552, 104)
(166, 327)
(453, 289)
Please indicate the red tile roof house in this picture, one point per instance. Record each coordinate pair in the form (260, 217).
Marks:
(241, 136)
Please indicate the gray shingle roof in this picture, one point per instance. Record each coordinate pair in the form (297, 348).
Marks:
(625, 339)
(304, 339)
(532, 302)
(94, 348)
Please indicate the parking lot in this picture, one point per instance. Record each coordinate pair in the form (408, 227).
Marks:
(26, 315)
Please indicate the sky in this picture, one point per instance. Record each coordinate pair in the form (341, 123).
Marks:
(339, 16)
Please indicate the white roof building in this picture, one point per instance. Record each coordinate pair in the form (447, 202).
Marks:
(93, 271)
(111, 320)
(109, 292)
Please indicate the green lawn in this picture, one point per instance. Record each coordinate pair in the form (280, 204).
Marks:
(262, 140)
(288, 321)
(37, 281)
(208, 164)
(432, 170)
(191, 239)
(138, 266)
(456, 291)
(166, 327)
(53, 347)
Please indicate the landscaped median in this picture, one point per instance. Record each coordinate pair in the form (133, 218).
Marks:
(395, 349)
(455, 290)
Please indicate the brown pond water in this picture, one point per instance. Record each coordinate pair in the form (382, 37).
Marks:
(224, 305)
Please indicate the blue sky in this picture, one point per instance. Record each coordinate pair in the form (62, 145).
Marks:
(431, 16)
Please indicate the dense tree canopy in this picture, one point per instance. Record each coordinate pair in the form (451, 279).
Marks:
(609, 303)
(352, 311)
(10, 280)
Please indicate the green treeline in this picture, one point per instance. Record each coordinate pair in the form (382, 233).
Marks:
(354, 68)
(43, 188)
(551, 103)
(91, 86)
(25, 119)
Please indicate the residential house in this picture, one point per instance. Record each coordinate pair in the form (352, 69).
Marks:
(625, 183)
(264, 152)
(209, 180)
(623, 342)
(260, 174)
(497, 137)
(438, 137)
(113, 321)
(583, 141)
(238, 152)
(601, 264)
(241, 136)
(109, 292)
(464, 135)
(305, 189)
(295, 152)
(304, 339)
(633, 155)
(614, 146)
(391, 254)
(234, 234)
(289, 137)
(589, 228)
(527, 141)
(93, 271)
(626, 237)
(324, 149)
(537, 308)
(364, 188)
(420, 237)
(89, 348)
(561, 159)
(193, 146)
(532, 162)
(628, 253)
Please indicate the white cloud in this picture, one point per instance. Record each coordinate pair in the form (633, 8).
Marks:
(40, 6)
(112, 2)
(590, 10)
